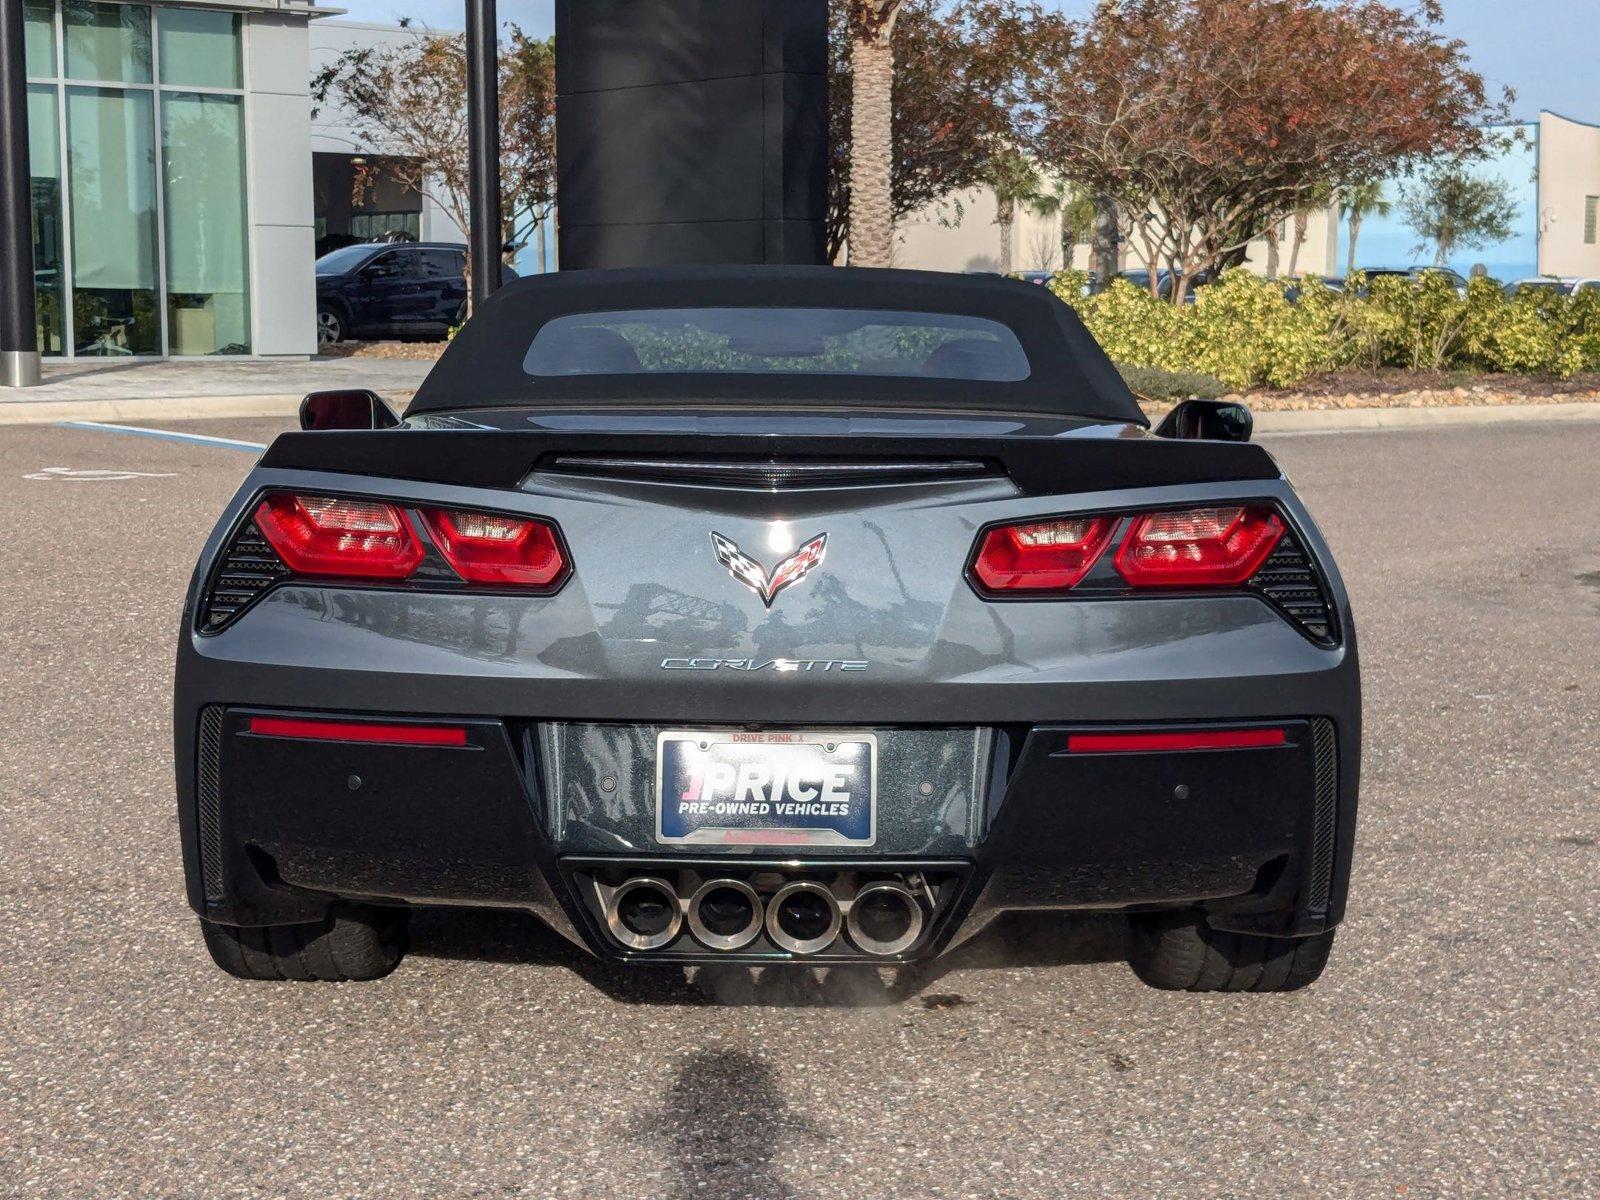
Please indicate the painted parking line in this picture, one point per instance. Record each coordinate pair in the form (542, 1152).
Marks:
(199, 439)
(91, 475)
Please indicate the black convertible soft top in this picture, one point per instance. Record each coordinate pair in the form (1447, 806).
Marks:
(1069, 374)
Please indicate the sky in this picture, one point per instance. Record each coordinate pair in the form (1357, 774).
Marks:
(1544, 49)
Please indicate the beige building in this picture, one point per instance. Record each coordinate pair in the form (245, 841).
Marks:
(961, 233)
(1569, 196)
(1550, 170)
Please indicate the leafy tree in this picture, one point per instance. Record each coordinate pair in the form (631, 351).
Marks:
(960, 72)
(409, 101)
(1360, 200)
(1450, 207)
(1209, 121)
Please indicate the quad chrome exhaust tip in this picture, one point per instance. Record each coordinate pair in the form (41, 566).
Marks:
(803, 917)
(885, 918)
(725, 914)
(644, 913)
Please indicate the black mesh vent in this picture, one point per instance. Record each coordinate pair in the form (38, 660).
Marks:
(1325, 748)
(771, 475)
(248, 568)
(1289, 582)
(208, 800)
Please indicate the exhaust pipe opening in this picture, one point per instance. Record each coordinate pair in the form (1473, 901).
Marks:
(803, 917)
(725, 914)
(644, 913)
(885, 918)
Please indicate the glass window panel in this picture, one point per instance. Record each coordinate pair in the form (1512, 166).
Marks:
(199, 48)
(368, 226)
(44, 165)
(111, 175)
(208, 294)
(107, 41)
(39, 39)
(810, 341)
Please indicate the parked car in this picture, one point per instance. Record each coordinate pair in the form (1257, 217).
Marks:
(373, 290)
(1417, 274)
(636, 624)
(1296, 287)
(1165, 279)
(1565, 286)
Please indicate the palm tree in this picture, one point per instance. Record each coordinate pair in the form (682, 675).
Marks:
(1359, 201)
(871, 131)
(1274, 237)
(1316, 200)
(1075, 208)
(1015, 181)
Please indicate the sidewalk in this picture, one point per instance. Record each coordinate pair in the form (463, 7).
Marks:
(127, 389)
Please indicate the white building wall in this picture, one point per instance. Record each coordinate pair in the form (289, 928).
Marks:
(1569, 173)
(960, 234)
(437, 223)
(282, 234)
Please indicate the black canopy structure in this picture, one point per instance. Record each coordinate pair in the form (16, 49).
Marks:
(693, 131)
(1067, 372)
(19, 334)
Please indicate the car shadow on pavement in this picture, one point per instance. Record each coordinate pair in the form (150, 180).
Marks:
(723, 1121)
(1043, 939)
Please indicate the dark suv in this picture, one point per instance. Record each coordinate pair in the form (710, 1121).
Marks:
(412, 290)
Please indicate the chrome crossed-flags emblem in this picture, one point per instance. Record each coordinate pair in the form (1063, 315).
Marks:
(751, 573)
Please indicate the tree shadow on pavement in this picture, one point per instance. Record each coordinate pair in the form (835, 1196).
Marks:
(1044, 939)
(723, 1122)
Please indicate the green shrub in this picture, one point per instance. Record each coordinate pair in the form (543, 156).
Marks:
(1242, 332)
(1160, 386)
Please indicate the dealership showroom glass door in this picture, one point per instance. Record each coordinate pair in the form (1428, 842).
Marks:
(136, 139)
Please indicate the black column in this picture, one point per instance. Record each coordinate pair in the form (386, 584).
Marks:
(486, 237)
(691, 131)
(19, 333)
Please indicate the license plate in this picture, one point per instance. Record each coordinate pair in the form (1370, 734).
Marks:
(766, 789)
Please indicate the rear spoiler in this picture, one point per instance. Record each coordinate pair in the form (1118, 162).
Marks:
(504, 458)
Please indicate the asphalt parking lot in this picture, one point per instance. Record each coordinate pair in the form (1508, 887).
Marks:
(1452, 1049)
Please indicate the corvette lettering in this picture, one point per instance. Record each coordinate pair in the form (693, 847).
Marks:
(765, 664)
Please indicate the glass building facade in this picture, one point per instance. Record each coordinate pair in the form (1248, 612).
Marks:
(137, 144)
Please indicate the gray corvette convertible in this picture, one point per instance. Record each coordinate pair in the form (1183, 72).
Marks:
(769, 615)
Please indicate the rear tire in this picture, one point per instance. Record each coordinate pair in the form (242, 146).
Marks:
(1180, 952)
(353, 942)
(330, 325)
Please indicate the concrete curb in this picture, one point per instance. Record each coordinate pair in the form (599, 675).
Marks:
(1348, 420)
(1331, 420)
(153, 408)
(162, 408)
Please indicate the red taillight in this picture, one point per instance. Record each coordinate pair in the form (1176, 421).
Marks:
(494, 548)
(338, 535)
(1042, 556)
(360, 731)
(1198, 547)
(1158, 742)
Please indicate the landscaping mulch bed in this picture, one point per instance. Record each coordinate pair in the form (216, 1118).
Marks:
(1386, 388)
(1423, 389)
(420, 351)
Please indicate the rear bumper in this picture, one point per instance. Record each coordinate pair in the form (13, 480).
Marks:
(275, 827)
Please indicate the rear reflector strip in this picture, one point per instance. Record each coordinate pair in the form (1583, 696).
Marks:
(1199, 739)
(350, 731)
